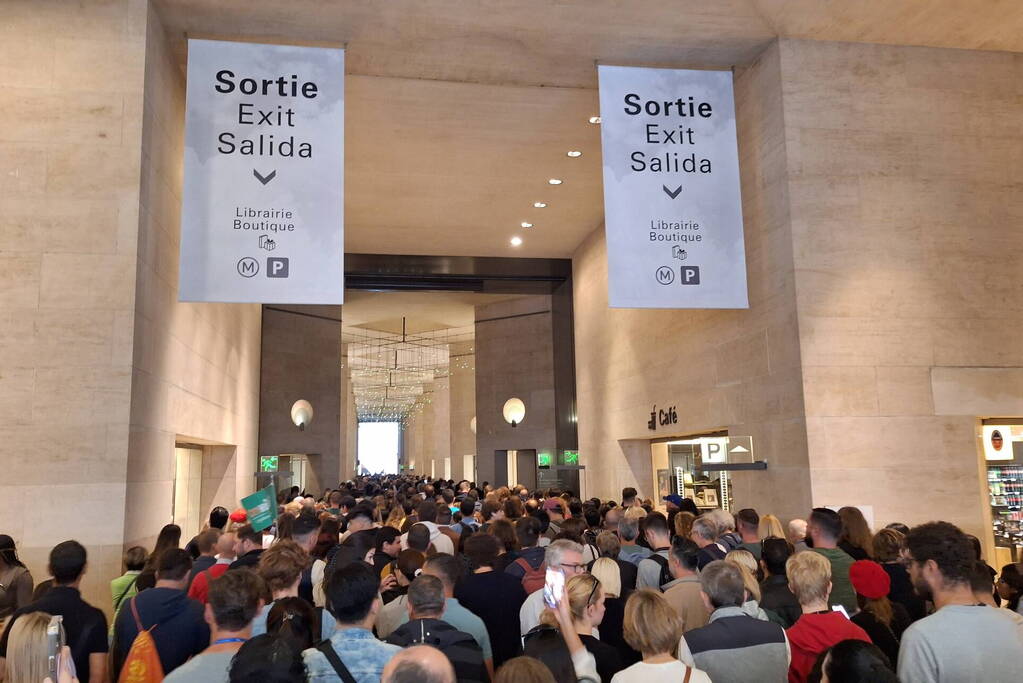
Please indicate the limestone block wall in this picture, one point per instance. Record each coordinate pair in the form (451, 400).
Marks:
(72, 81)
(906, 207)
(194, 367)
(738, 370)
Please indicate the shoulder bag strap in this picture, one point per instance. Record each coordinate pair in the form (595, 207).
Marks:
(328, 651)
(135, 613)
(689, 674)
(124, 593)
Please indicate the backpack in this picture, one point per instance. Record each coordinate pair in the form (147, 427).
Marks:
(665, 574)
(532, 579)
(142, 664)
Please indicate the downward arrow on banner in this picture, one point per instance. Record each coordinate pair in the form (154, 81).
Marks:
(264, 179)
(672, 193)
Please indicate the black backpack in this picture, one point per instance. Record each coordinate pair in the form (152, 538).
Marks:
(665, 574)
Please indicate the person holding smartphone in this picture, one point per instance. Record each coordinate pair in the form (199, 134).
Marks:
(85, 625)
(37, 651)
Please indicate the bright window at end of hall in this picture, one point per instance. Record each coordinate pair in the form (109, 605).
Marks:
(378, 446)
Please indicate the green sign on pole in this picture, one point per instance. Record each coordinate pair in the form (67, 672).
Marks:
(571, 457)
(261, 508)
(543, 459)
(268, 463)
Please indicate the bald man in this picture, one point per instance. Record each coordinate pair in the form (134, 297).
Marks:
(225, 555)
(419, 664)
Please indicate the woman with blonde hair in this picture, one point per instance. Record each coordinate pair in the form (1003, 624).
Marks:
(654, 628)
(27, 653)
(747, 565)
(770, 527)
(396, 517)
(609, 573)
(585, 598)
(606, 571)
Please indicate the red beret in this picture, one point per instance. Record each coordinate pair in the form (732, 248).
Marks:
(238, 515)
(869, 579)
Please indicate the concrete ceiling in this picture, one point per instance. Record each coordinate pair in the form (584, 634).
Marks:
(458, 111)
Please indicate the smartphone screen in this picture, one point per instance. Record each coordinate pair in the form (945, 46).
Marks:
(840, 608)
(54, 644)
(553, 587)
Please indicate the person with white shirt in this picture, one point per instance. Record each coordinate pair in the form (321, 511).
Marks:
(963, 640)
(427, 514)
(562, 555)
(653, 628)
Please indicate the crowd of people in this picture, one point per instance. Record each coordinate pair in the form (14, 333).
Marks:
(404, 579)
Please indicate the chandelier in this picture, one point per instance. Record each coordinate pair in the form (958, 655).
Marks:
(393, 375)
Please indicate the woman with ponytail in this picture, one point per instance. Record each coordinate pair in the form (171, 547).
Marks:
(883, 620)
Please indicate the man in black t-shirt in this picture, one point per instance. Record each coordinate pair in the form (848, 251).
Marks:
(84, 625)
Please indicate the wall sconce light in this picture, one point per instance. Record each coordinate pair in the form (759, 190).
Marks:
(302, 413)
(472, 424)
(514, 411)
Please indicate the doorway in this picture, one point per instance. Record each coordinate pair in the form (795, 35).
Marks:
(686, 467)
(187, 510)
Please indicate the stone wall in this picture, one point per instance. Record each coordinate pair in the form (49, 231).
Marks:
(881, 203)
(906, 205)
(737, 370)
(195, 367)
(72, 79)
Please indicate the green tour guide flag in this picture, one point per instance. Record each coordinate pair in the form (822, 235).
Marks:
(261, 508)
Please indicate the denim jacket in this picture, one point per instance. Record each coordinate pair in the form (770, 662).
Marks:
(361, 652)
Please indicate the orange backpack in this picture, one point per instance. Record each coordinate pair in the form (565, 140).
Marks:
(142, 665)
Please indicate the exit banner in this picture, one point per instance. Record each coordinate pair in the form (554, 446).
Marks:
(672, 208)
(262, 212)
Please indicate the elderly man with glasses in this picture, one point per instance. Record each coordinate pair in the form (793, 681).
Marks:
(561, 555)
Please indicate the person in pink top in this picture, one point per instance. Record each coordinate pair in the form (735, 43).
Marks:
(819, 627)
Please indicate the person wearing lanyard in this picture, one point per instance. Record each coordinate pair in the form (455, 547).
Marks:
(234, 601)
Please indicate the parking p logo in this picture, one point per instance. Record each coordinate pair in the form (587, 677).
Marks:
(690, 275)
(276, 267)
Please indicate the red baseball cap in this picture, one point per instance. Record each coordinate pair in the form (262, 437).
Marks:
(869, 579)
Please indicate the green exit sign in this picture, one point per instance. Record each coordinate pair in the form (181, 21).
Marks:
(571, 457)
(543, 459)
(268, 463)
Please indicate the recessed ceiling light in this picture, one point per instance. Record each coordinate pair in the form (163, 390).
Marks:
(594, 119)
(539, 205)
(516, 241)
(574, 153)
(526, 224)
(554, 181)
